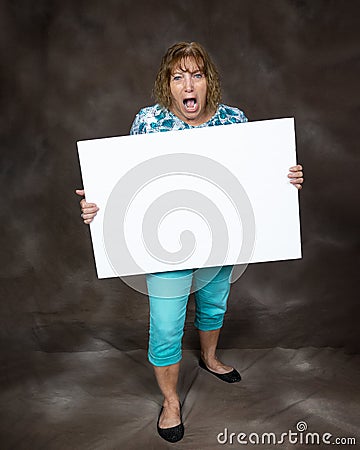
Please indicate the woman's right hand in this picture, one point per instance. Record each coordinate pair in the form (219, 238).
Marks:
(88, 210)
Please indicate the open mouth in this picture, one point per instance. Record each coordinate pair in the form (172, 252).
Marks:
(190, 104)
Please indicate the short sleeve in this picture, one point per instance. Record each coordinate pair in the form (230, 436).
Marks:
(236, 115)
(138, 125)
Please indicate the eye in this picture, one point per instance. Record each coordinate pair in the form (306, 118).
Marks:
(177, 77)
(198, 75)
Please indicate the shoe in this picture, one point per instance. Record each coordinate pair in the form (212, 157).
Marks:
(230, 377)
(173, 434)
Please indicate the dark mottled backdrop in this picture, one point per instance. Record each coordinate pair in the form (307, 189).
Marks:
(81, 69)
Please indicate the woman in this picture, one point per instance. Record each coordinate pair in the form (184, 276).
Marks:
(187, 90)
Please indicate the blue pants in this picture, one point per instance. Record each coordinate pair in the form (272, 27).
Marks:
(168, 294)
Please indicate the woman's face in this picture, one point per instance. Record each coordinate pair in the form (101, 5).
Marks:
(188, 88)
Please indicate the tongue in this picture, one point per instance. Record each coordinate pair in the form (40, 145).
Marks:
(190, 103)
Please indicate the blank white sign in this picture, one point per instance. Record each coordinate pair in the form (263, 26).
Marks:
(193, 198)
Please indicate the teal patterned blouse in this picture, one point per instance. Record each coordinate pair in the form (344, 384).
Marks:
(156, 118)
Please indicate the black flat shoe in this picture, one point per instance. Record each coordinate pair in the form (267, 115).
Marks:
(230, 377)
(173, 434)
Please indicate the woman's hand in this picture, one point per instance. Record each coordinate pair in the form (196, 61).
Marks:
(88, 210)
(296, 176)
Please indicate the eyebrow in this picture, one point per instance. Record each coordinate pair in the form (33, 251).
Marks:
(180, 70)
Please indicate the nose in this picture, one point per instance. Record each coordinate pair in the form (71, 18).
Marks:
(189, 85)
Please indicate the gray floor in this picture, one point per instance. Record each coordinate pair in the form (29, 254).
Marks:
(109, 399)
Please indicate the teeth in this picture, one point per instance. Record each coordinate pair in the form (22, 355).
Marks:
(189, 102)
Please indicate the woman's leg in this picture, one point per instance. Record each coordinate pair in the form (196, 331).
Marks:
(213, 286)
(208, 344)
(167, 378)
(168, 295)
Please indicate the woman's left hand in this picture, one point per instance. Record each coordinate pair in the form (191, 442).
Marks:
(296, 176)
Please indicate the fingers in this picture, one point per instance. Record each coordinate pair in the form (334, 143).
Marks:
(299, 174)
(296, 179)
(296, 172)
(88, 218)
(298, 186)
(296, 168)
(296, 176)
(86, 210)
(85, 205)
(297, 182)
(89, 211)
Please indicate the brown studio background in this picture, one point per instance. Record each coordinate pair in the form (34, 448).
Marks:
(82, 69)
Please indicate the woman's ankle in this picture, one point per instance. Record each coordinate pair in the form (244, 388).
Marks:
(171, 401)
(208, 357)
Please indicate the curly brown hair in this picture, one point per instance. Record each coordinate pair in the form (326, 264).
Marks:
(175, 56)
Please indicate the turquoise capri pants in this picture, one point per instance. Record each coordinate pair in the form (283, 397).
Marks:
(168, 295)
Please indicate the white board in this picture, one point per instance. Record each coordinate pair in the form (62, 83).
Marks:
(193, 198)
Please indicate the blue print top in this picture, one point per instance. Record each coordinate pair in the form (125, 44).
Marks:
(156, 118)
